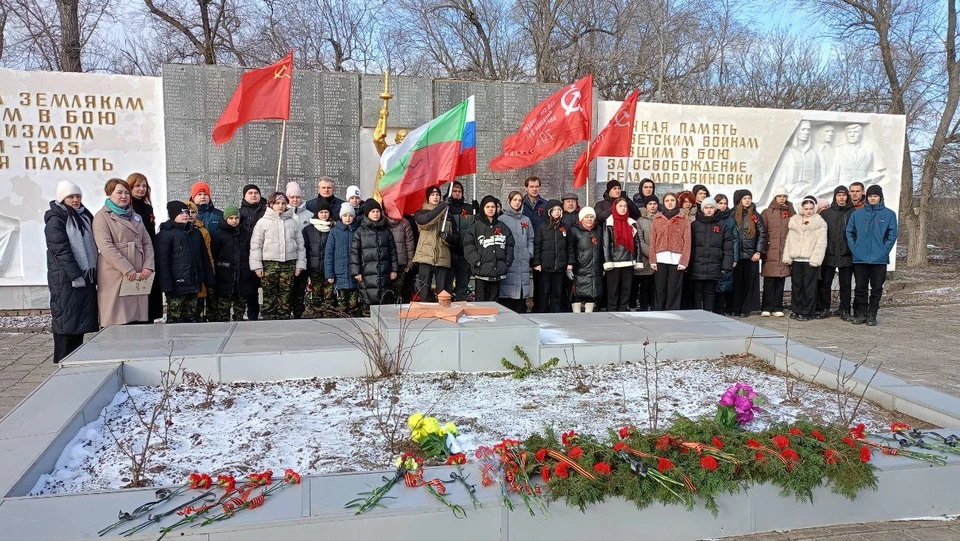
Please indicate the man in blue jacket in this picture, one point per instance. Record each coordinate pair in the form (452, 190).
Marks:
(871, 234)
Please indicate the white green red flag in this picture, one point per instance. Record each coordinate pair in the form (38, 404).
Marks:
(427, 157)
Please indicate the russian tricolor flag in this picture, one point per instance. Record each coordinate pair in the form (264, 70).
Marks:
(467, 162)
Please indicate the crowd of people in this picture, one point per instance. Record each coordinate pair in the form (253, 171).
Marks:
(332, 257)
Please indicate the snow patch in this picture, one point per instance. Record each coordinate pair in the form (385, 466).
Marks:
(551, 335)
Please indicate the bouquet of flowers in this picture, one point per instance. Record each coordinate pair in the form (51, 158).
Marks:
(738, 405)
(438, 441)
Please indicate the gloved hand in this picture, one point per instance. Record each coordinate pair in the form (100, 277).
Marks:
(78, 282)
(570, 275)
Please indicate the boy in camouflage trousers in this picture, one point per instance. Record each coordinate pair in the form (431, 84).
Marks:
(315, 234)
(336, 261)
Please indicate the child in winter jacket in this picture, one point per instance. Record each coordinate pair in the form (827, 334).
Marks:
(838, 260)
(231, 254)
(205, 302)
(621, 255)
(488, 248)
(669, 252)
(315, 235)
(585, 254)
(745, 297)
(406, 246)
(550, 258)
(643, 290)
(183, 264)
(336, 261)
(711, 254)
(776, 218)
(804, 250)
(721, 303)
(871, 235)
(373, 256)
(277, 256)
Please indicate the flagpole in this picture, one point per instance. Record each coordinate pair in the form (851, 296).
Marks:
(588, 173)
(283, 137)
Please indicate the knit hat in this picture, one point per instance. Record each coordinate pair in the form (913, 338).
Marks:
(347, 209)
(698, 187)
(293, 190)
(191, 205)
(553, 203)
(249, 187)
(570, 195)
(370, 204)
(174, 208)
(651, 197)
(586, 211)
(200, 187)
(708, 203)
(483, 202)
(875, 190)
(738, 195)
(352, 191)
(779, 190)
(429, 192)
(231, 210)
(65, 189)
(322, 204)
(611, 185)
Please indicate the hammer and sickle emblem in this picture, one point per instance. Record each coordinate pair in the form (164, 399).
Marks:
(281, 72)
(621, 119)
(570, 101)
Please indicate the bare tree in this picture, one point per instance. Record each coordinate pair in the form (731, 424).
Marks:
(907, 36)
(203, 30)
(61, 35)
(70, 35)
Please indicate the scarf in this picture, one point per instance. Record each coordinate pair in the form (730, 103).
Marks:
(80, 235)
(670, 213)
(114, 208)
(622, 232)
(322, 226)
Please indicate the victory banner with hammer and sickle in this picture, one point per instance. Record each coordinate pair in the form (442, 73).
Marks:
(613, 140)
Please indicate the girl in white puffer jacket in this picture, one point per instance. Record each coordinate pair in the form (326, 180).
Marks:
(277, 256)
(804, 249)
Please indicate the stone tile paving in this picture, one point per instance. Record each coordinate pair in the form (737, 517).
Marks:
(919, 530)
(25, 362)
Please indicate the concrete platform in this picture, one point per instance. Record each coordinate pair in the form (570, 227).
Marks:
(35, 433)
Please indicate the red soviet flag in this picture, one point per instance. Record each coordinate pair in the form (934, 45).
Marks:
(263, 93)
(614, 140)
(558, 122)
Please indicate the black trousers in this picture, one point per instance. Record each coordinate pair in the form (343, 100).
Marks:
(487, 291)
(686, 294)
(65, 344)
(425, 277)
(460, 272)
(773, 294)
(645, 292)
(746, 287)
(567, 286)
(550, 290)
(826, 283)
(618, 288)
(874, 276)
(253, 307)
(537, 300)
(704, 294)
(298, 297)
(517, 305)
(803, 287)
(669, 283)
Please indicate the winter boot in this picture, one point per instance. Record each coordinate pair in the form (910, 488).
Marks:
(872, 320)
(575, 307)
(845, 315)
(588, 307)
(858, 319)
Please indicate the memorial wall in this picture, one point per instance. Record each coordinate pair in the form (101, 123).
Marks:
(85, 128)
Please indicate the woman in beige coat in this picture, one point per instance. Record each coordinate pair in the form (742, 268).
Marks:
(126, 253)
(804, 251)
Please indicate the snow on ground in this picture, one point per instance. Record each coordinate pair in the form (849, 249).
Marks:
(329, 425)
(550, 335)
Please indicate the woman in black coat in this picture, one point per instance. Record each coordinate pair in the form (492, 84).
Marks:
(71, 270)
(230, 247)
(140, 200)
(373, 255)
(550, 258)
(711, 254)
(585, 254)
(753, 242)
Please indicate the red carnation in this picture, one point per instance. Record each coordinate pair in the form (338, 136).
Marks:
(619, 446)
(790, 454)
(625, 431)
(664, 465)
(817, 435)
(193, 480)
(849, 442)
(205, 481)
(760, 457)
(663, 443)
(864, 454)
(831, 456)
(899, 427)
(561, 470)
(708, 462)
(576, 453)
(857, 431)
(568, 438)
(753, 444)
(541, 455)
(602, 468)
(781, 441)
(545, 474)
(796, 432)
(456, 458)
(717, 442)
